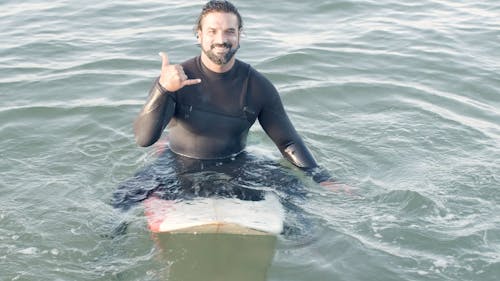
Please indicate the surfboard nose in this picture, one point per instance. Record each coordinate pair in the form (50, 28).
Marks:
(216, 239)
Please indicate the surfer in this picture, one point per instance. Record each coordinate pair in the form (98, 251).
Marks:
(208, 103)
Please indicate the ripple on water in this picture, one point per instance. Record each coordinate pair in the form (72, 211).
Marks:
(411, 203)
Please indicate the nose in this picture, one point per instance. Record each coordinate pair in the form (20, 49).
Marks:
(220, 38)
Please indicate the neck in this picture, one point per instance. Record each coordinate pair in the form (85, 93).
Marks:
(216, 67)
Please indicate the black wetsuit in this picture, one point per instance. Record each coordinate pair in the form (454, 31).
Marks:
(211, 120)
(208, 125)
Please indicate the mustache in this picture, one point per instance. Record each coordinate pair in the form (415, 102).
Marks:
(225, 45)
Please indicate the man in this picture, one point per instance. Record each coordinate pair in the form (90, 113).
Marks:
(210, 102)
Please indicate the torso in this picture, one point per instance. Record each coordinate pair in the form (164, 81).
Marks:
(212, 119)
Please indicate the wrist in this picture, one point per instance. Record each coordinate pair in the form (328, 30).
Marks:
(319, 174)
(162, 88)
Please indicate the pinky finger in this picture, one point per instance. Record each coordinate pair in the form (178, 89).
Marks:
(191, 82)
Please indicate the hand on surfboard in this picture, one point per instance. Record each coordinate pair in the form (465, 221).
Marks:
(172, 76)
(161, 145)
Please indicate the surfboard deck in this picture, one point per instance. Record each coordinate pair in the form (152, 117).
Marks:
(215, 215)
(216, 238)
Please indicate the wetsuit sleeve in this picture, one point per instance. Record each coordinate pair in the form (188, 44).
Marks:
(280, 129)
(154, 116)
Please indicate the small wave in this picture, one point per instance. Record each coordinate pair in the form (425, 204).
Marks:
(411, 203)
(478, 122)
(72, 104)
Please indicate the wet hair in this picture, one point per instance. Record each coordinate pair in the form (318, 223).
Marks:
(218, 6)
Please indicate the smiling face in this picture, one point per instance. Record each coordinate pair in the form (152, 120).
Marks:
(219, 38)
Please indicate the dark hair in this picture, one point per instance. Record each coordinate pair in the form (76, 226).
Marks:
(218, 6)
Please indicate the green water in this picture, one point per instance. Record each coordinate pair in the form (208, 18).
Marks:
(215, 256)
(400, 100)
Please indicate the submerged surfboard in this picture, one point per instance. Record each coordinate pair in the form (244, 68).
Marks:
(216, 238)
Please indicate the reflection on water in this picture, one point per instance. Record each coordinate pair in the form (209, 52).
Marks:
(209, 256)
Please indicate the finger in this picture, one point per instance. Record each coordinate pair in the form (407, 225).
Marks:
(164, 59)
(179, 68)
(191, 82)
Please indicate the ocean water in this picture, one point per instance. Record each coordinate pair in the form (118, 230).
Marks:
(399, 100)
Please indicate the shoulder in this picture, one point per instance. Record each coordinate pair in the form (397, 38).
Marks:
(261, 90)
(253, 73)
(257, 80)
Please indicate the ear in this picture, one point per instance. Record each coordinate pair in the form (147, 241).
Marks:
(198, 36)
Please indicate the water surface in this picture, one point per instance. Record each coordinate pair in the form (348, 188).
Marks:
(399, 100)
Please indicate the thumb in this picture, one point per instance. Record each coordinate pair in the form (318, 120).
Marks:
(164, 59)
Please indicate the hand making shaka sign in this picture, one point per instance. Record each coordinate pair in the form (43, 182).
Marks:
(172, 76)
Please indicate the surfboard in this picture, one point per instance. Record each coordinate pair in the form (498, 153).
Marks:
(216, 238)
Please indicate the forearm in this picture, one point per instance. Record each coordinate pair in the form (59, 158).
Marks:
(293, 148)
(154, 116)
(300, 156)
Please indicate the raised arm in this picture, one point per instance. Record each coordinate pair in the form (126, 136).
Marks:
(160, 106)
(154, 116)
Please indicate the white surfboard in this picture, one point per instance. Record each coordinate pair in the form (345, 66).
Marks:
(216, 238)
(216, 215)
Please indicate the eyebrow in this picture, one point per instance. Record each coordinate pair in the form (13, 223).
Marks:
(229, 29)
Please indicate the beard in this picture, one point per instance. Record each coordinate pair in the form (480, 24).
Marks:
(221, 59)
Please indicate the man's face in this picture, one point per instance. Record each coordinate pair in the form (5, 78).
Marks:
(219, 37)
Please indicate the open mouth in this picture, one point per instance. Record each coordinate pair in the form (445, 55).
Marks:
(221, 50)
(222, 47)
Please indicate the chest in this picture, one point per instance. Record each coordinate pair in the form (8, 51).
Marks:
(215, 106)
(226, 97)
